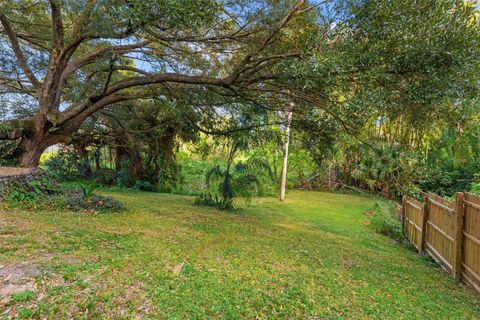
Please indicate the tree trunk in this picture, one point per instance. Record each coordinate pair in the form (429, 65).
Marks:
(32, 148)
(285, 155)
(120, 156)
(125, 150)
(81, 149)
(96, 157)
(31, 152)
(37, 140)
(136, 166)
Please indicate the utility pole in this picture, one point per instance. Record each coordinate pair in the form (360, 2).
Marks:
(288, 115)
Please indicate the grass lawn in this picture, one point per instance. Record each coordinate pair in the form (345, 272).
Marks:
(313, 257)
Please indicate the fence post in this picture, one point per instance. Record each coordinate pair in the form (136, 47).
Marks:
(459, 216)
(425, 209)
(403, 215)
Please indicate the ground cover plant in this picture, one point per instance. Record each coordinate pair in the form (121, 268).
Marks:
(315, 256)
(39, 191)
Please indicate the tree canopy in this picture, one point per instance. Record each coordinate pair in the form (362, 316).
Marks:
(347, 65)
(71, 59)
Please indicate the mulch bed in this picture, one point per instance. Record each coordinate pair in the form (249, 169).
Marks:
(12, 171)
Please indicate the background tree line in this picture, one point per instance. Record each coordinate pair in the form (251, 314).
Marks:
(384, 92)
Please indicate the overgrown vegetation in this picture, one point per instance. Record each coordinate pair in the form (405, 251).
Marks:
(385, 220)
(41, 192)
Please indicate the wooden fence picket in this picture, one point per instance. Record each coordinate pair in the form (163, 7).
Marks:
(471, 241)
(459, 208)
(448, 231)
(424, 225)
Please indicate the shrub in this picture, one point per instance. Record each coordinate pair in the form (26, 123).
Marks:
(384, 220)
(208, 199)
(42, 192)
(143, 185)
(446, 183)
(224, 186)
(29, 189)
(67, 166)
(8, 148)
(88, 190)
(192, 175)
(475, 188)
(78, 200)
(106, 177)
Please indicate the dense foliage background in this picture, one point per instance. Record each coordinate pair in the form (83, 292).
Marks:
(384, 95)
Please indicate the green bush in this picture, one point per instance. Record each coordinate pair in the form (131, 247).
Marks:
(78, 200)
(143, 185)
(207, 199)
(475, 188)
(42, 192)
(192, 175)
(224, 186)
(67, 166)
(446, 182)
(106, 177)
(384, 220)
(8, 149)
(29, 189)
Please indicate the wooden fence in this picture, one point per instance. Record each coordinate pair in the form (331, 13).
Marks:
(449, 231)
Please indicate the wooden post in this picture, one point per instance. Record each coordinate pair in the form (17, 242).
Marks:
(458, 237)
(425, 212)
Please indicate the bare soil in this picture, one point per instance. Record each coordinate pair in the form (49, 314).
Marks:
(12, 171)
(15, 279)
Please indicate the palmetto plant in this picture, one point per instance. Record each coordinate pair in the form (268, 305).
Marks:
(226, 184)
(88, 190)
(386, 169)
(219, 188)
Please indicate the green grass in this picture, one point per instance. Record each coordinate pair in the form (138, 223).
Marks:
(164, 258)
(23, 296)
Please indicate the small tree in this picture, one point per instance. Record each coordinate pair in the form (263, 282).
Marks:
(232, 181)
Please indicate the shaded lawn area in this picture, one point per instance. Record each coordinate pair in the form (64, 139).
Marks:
(313, 256)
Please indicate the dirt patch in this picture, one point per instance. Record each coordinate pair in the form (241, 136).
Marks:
(15, 279)
(12, 171)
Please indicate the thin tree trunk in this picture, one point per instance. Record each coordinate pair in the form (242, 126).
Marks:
(97, 157)
(283, 184)
(136, 165)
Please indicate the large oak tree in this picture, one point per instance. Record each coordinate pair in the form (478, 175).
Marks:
(67, 60)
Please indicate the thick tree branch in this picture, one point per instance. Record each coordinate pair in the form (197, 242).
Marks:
(268, 40)
(92, 102)
(93, 56)
(77, 119)
(11, 135)
(58, 33)
(172, 77)
(10, 79)
(18, 52)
